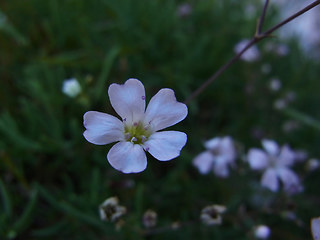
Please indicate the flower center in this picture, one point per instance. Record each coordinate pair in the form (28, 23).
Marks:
(137, 133)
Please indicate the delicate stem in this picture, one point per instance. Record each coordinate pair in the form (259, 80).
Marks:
(289, 19)
(261, 19)
(258, 37)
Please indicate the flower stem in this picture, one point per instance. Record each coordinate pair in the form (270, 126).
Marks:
(255, 39)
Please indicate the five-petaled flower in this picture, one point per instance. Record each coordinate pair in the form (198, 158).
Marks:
(219, 156)
(137, 131)
(275, 162)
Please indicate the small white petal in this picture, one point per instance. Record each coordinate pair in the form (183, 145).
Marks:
(271, 147)
(165, 145)
(286, 157)
(127, 157)
(315, 228)
(128, 100)
(258, 159)
(102, 128)
(290, 180)
(213, 143)
(270, 180)
(164, 111)
(227, 149)
(203, 162)
(220, 167)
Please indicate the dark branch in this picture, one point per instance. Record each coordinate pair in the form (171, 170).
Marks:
(257, 38)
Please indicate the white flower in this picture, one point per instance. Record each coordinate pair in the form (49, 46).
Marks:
(275, 162)
(315, 228)
(275, 84)
(71, 87)
(262, 232)
(252, 54)
(219, 155)
(138, 130)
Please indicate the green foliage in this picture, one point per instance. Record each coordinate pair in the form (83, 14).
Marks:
(53, 180)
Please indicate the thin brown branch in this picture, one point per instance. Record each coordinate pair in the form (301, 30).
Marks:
(261, 19)
(255, 39)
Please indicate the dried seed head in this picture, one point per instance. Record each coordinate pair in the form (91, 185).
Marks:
(150, 218)
(110, 210)
(211, 215)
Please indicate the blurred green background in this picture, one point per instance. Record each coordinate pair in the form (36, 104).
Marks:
(52, 180)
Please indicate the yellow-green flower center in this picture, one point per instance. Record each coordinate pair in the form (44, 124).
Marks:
(137, 133)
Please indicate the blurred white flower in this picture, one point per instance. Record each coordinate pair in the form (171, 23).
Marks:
(252, 54)
(275, 84)
(315, 228)
(282, 50)
(266, 68)
(250, 11)
(280, 104)
(305, 28)
(184, 10)
(71, 87)
(138, 130)
(279, 49)
(313, 164)
(290, 126)
(262, 232)
(110, 210)
(275, 162)
(211, 215)
(219, 156)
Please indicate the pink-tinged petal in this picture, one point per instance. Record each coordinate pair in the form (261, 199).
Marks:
(270, 180)
(286, 157)
(102, 128)
(315, 228)
(165, 145)
(290, 180)
(128, 100)
(258, 159)
(164, 111)
(271, 147)
(204, 162)
(127, 157)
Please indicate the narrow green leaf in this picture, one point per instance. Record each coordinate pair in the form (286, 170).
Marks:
(100, 87)
(95, 186)
(303, 118)
(71, 211)
(10, 129)
(26, 218)
(5, 199)
(50, 230)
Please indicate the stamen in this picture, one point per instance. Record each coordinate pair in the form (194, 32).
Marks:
(143, 97)
(147, 149)
(135, 124)
(143, 139)
(124, 120)
(134, 139)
